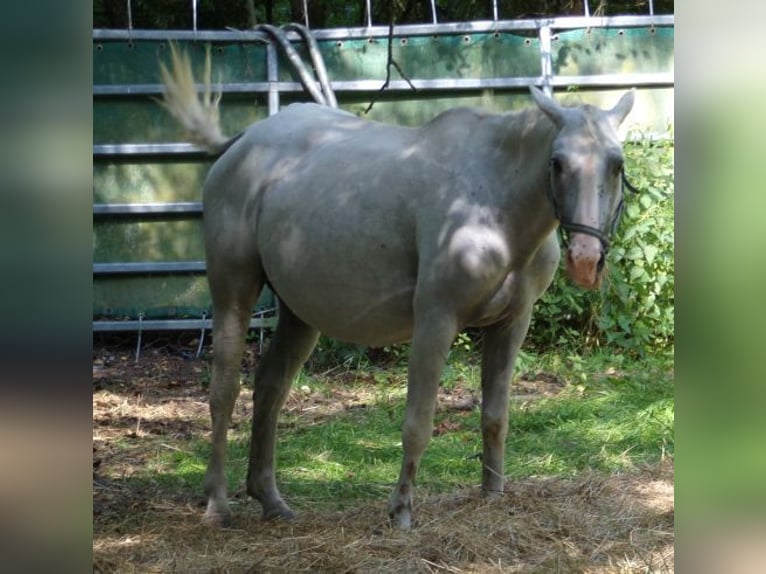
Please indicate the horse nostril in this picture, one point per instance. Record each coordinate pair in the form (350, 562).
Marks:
(601, 262)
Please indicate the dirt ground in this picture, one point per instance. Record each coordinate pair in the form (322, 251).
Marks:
(590, 523)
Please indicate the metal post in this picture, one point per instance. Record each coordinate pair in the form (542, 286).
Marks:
(260, 334)
(651, 7)
(272, 75)
(201, 335)
(494, 10)
(306, 12)
(138, 344)
(587, 8)
(369, 13)
(433, 10)
(546, 65)
(194, 15)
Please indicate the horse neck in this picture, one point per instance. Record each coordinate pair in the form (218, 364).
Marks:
(526, 138)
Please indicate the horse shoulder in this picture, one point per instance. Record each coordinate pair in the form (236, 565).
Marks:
(520, 287)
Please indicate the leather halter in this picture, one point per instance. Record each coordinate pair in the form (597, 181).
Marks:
(572, 227)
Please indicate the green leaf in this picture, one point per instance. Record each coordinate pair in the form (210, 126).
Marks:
(650, 252)
(625, 323)
(634, 253)
(636, 273)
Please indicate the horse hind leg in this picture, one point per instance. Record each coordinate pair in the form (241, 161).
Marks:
(291, 346)
(234, 292)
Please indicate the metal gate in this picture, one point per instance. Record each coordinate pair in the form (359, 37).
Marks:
(148, 270)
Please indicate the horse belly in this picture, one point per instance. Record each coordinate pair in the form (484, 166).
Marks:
(349, 277)
(346, 302)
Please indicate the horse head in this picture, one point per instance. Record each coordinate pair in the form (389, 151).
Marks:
(586, 181)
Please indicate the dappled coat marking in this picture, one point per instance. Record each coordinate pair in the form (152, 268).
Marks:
(378, 234)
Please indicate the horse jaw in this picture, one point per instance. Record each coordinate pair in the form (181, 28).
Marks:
(582, 261)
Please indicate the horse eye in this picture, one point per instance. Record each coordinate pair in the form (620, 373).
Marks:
(617, 165)
(556, 164)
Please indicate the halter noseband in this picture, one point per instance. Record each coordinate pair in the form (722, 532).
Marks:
(572, 227)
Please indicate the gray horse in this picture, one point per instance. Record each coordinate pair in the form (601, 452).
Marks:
(377, 234)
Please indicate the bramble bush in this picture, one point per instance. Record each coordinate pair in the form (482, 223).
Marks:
(634, 309)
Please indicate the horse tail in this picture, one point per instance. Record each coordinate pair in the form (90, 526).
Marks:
(198, 117)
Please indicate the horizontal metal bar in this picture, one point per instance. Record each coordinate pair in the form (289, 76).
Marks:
(647, 80)
(107, 150)
(185, 207)
(149, 267)
(295, 87)
(171, 324)
(158, 89)
(644, 79)
(363, 32)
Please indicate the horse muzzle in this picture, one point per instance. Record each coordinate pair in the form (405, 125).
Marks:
(585, 258)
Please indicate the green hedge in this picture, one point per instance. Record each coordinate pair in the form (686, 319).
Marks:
(634, 309)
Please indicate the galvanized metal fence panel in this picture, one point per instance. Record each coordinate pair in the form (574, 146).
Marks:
(147, 248)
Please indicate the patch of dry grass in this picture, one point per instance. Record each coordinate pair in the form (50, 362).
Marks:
(589, 523)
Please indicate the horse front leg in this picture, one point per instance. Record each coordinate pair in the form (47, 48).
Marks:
(431, 342)
(501, 344)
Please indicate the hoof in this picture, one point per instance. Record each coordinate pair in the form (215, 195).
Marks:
(217, 519)
(278, 512)
(402, 521)
(401, 518)
(491, 494)
(217, 514)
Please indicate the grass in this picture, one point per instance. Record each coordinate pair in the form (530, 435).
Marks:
(589, 458)
(339, 437)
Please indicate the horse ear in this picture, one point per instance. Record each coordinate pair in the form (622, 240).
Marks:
(554, 111)
(620, 111)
